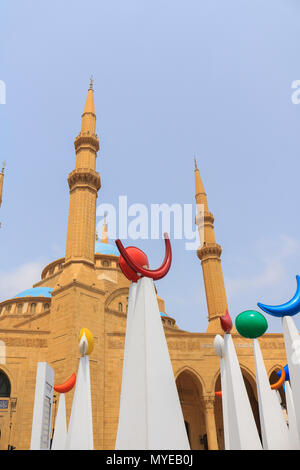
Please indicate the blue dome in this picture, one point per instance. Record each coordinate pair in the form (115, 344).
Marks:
(106, 249)
(162, 314)
(36, 292)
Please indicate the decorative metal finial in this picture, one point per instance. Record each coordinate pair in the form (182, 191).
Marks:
(91, 82)
(196, 167)
(3, 166)
(97, 235)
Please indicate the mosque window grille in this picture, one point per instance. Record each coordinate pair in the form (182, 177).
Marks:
(33, 308)
(120, 307)
(46, 306)
(19, 308)
(105, 263)
(8, 308)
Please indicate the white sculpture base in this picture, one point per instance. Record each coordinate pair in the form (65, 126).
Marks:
(275, 434)
(292, 340)
(80, 431)
(224, 404)
(60, 431)
(150, 412)
(243, 434)
(293, 429)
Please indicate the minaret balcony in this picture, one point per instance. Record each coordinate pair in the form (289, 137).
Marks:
(209, 250)
(85, 139)
(84, 177)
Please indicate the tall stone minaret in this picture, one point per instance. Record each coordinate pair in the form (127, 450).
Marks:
(1, 182)
(84, 183)
(77, 300)
(209, 253)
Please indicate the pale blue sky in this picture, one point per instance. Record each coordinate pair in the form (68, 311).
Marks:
(172, 79)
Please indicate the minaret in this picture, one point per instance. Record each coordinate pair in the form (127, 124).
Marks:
(77, 300)
(1, 182)
(209, 253)
(84, 183)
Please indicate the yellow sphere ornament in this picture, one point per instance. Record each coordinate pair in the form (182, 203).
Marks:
(86, 342)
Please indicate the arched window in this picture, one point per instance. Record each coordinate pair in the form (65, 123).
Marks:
(32, 308)
(46, 306)
(8, 308)
(20, 308)
(120, 307)
(4, 385)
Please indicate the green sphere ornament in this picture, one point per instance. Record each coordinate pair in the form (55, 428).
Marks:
(251, 324)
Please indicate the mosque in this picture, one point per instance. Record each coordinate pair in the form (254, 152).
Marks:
(86, 288)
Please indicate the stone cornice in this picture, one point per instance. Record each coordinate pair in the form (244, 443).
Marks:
(59, 289)
(24, 332)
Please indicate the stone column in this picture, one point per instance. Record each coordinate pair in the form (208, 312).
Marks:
(209, 413)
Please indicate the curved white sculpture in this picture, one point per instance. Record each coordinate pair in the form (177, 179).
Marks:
(150, 412)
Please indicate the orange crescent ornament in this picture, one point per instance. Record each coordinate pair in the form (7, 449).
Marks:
(67, 385)
(280, 382)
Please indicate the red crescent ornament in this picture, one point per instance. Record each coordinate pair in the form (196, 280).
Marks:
(154, 274)
(139, 256)
(226, 322)
(67, 385)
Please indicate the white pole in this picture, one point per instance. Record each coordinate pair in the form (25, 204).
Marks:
(293, 429)
(60, 430)
(292, 347)
(80, 432)
(275, 435)
(153, 417)
(243, 434)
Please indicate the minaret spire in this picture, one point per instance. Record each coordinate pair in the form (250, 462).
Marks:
(104, 238)
(200, 194)
(1, 181)
(84, 183)
(88, 119)
(209, 253)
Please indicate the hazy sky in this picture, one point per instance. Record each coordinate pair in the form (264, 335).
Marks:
(172, 79)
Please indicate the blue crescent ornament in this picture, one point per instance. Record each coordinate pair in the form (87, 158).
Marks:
(286, 370)
(290, 308)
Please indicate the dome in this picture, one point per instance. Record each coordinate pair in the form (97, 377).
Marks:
(36, 292)
(163, 314)
(106, 249)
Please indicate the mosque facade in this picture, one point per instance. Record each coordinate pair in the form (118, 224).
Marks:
(86, 288)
